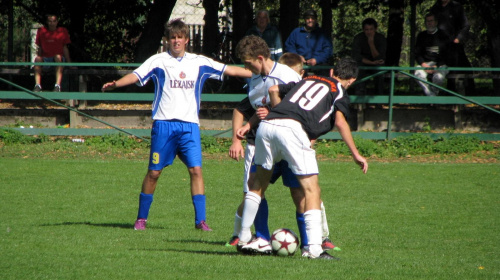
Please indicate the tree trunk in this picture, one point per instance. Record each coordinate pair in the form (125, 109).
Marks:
(492, 19)
(242, 20)
(395, 32)
(289, 17)
(327, 21)
(153, 30)
(211, 28)
(326, 16)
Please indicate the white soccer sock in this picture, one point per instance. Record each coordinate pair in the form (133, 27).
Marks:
(252, 202)
(313, 230)
(324, 222)
(237, 224)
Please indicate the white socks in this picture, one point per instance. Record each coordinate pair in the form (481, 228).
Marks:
(314, 230)
(252, 202)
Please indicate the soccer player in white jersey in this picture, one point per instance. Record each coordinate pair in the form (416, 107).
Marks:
(178, 77)
(309, 109)
(255, 55)
(244, 110)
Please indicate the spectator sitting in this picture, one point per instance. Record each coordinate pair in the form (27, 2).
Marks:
(430, 51)
(52, 42)
(310, 41)
(268, 32)
(368, 49)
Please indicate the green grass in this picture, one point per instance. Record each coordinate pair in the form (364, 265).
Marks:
(73, 218)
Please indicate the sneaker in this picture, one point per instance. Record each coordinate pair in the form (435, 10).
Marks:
(328, 245)
(233, 241)
(305, 252)
(37, 88)
(203, 226)
(57, 88)
(257, 246)
(324, 255)
(140, 224)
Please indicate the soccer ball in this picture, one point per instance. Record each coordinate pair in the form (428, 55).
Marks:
(284, 242)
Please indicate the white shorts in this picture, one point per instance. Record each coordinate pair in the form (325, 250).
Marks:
(279, 139)
(249, 153)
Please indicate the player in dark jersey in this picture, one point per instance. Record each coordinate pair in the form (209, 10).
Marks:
(310, 108)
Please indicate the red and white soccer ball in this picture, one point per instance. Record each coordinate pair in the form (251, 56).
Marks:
(284, 242)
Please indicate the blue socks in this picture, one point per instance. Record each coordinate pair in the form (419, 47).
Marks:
(199, 202)
(260, 223)
(145, 201)
(301, 224)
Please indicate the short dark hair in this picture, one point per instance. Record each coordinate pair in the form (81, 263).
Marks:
(430, 15)
(310, 13)
(369, 21)
(346, 68)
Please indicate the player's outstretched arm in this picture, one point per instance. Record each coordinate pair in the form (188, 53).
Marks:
(237, 71)
(236, 150)
(345, 132)
(124, 81)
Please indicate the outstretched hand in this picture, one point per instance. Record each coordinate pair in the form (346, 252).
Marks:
(108, 86)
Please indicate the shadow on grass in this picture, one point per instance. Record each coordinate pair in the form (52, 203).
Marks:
(218, 243)
(216, 253)
(112, 225)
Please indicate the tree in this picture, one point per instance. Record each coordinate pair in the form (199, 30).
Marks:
(158, 15)
(488, 9)
(210, 29)
(395, 32)
(289, 17)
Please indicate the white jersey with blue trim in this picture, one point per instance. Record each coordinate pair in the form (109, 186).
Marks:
(258, 93)
(178, 83)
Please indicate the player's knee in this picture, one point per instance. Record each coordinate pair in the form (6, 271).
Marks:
(195, 171)
(153, 174)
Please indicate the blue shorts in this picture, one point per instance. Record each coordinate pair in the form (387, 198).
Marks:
(174, 138)
(50, 59)
(282, 170)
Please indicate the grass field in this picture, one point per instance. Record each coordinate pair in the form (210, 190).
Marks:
(73, 219)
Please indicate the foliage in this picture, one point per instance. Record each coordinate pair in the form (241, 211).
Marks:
(111, 36)
(416, 144)
(10, 136)
(212, 145)
(116, 140)
(21, 32)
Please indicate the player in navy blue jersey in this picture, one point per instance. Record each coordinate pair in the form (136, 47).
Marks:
(309, 109)
(178, 77)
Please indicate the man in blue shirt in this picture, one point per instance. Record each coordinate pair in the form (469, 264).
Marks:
(310, 41)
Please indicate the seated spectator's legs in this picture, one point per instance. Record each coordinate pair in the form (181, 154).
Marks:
(426, 87)
(360, 88)
(438, 78)
(59, 69)
(38, 71)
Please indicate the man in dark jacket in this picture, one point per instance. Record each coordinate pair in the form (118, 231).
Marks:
(431, 51)
(310, 41)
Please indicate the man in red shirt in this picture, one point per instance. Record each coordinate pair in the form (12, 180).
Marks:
(52, 42)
